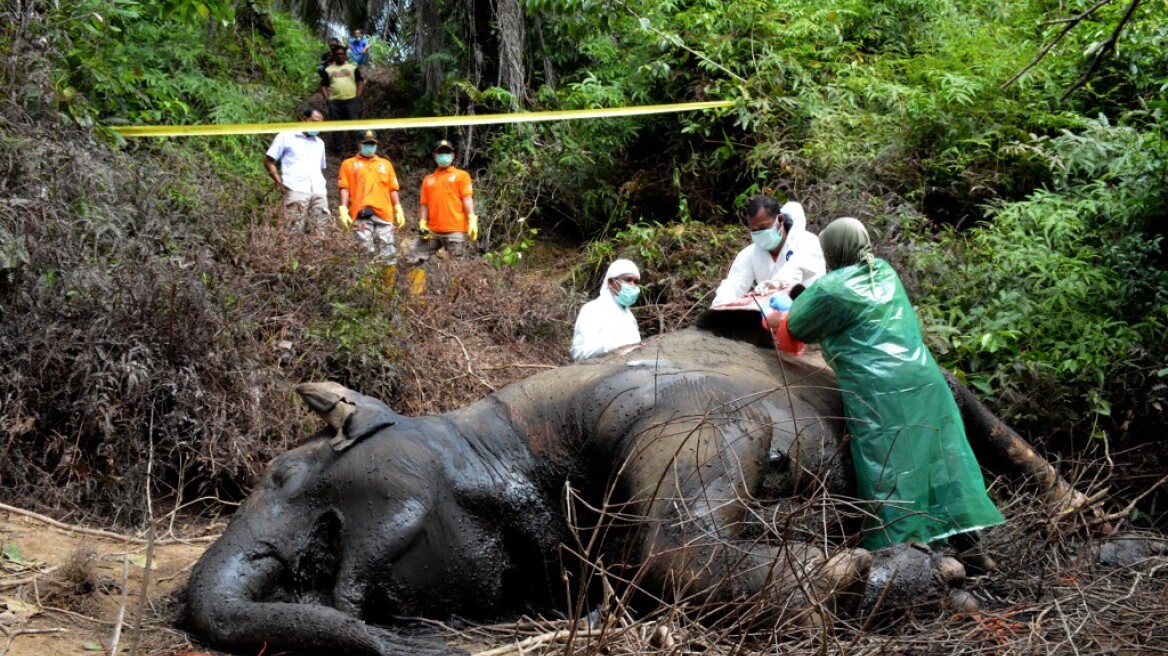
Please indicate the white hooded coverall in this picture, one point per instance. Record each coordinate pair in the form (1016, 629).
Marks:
(603, 325)
(799, 262)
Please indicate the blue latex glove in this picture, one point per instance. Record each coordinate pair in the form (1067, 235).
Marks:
(780, 303)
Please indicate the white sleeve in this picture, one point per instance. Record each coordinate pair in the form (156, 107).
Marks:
(588, 338)
(739, 281)
(806, 264)
(276, 150)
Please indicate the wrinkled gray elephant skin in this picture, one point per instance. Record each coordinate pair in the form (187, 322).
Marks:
(382, 516)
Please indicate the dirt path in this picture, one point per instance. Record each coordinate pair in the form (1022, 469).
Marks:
(61, 589)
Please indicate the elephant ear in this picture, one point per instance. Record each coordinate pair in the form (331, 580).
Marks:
(351, 415)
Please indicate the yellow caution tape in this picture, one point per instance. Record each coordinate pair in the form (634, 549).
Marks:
(403, 123)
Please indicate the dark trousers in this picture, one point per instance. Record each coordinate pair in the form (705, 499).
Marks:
(345, 143)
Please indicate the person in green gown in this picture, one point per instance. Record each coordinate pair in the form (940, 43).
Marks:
(912, 459)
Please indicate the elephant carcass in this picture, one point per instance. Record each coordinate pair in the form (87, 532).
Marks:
(661, 451)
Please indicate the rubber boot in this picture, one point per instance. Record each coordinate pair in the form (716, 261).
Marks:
(417, 277)
(388, 275)
(971, 554)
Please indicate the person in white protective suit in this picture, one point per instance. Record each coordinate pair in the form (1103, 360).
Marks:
(783, 253)
(605, 323)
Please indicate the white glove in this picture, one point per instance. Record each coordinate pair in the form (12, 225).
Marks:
(766, 287)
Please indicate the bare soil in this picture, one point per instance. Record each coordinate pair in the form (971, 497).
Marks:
(61, 589)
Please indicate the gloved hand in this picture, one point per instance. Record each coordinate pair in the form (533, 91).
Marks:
(472, 230)
(344, 218)
(399, 216)
(423, 225)
(780, 302)
(766, 287)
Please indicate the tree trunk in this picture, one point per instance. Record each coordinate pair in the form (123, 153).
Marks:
(512, 46)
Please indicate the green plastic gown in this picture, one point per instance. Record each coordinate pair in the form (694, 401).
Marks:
(908, 441)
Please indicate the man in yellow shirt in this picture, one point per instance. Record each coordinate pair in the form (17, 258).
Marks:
(369, 199)
(448, 212)
(342, 86)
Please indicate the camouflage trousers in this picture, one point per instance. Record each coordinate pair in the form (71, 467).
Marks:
(377, 236)
(306, 212)
(453, 242)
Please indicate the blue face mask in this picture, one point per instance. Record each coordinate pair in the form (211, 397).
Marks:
(444, 159)
(312, 133)
(768, 239)
(368, 150)
(627, 295)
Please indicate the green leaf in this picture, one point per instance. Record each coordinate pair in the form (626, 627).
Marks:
(1163, 372)
(13, 554)
(91, 646)
(139, 560)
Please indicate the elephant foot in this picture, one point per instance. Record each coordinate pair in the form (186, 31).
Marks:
(841, 583)
(911, 578)
(960, 601)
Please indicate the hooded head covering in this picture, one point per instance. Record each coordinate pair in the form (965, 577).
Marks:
(616, 269)
(793, 215)
(845, 242)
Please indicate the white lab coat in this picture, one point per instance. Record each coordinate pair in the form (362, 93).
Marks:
(799, 262)
(603, 325)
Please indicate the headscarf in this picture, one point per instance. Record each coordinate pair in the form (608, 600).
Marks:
(845, 242)
(615, 270)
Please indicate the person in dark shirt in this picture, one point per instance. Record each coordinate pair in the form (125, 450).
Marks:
(341, 85)
(327, 55)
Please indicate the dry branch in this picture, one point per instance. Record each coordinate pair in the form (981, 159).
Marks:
(1069, 24)
(1108, 46)
(100, 533)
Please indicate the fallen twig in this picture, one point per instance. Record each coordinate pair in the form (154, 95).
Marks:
(1126, 511)
(553, 636)
(98, 532)
(14, 634)
(121, 606)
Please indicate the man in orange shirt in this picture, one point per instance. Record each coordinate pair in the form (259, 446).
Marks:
(448, 213)
(369, 198)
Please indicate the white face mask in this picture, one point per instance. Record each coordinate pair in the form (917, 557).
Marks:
(628, 294)
(767, 239)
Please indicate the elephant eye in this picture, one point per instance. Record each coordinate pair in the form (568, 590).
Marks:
(287, 472)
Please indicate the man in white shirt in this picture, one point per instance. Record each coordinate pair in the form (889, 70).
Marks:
(783, 253)
(296, 162)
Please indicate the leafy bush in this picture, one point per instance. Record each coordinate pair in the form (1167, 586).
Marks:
(1063, 291)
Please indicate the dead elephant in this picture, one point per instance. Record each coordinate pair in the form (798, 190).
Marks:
(677, 443)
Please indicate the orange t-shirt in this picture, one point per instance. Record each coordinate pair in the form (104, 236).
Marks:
(442, 193)
(369, 181)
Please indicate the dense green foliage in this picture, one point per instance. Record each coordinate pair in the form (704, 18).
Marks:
(1064, 291)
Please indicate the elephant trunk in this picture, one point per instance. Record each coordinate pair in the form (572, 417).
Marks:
(223, 599)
